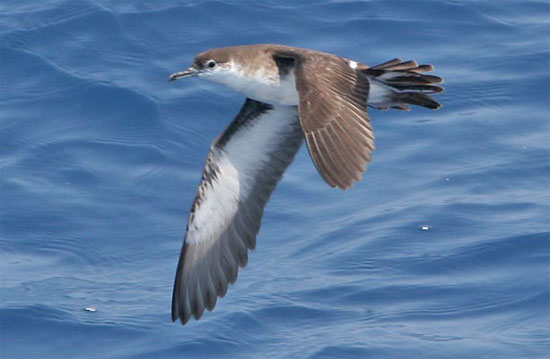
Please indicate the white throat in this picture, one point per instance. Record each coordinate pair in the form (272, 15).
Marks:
(258, 85)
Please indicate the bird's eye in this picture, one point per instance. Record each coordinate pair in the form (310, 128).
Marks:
(211, 63)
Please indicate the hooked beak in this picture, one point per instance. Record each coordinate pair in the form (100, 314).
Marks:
(190, 72)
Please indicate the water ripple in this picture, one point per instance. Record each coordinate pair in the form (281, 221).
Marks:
(101, 157)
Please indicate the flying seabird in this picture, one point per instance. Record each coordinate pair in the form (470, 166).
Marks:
(292, 94)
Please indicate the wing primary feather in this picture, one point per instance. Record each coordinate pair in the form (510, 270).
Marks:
(356, 148)
(198, 304)
(367, 139)
(211, 296)
(248, 235)
(350, 158)
(238, 179)
(239, 245)
(186, 309)
(318, 159)
(338, 160)
(326, 157)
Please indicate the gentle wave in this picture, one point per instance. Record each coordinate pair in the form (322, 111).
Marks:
(440, 252)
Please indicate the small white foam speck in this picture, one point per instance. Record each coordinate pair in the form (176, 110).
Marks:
(425, 228)
(90, 309)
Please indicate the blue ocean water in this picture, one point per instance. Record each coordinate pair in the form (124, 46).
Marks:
(101, 157)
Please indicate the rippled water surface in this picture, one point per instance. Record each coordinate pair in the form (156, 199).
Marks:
(101, 157)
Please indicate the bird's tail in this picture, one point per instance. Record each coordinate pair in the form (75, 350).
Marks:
(398, 84)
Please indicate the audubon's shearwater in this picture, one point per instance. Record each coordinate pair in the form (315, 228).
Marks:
(292, 94)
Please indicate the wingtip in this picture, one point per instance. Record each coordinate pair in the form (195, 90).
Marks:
(348, 185)
(176, 316)
(183, 319)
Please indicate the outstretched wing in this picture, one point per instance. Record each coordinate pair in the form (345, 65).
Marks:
(244, 164)
(332, 109)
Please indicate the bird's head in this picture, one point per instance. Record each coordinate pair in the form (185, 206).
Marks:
(210, 64)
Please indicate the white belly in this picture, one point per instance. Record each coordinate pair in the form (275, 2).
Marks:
(261, 88)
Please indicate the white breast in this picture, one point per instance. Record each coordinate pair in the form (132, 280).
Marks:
(259, 86)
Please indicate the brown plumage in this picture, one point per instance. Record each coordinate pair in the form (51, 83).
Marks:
(293, 94)
(337, 129)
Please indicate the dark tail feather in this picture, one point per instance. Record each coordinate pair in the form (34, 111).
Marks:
(398, 64)
(387, 64)
(397, 84)
(419, 99)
